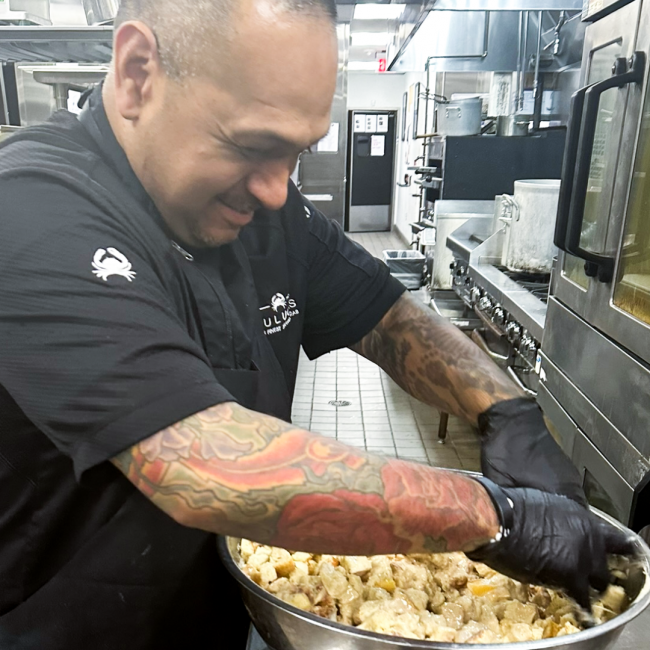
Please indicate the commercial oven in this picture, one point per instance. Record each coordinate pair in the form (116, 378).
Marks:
(595, 378)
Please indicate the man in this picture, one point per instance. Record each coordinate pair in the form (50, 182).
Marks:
(159, 274)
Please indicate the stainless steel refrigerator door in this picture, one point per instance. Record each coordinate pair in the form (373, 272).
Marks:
(620, 305)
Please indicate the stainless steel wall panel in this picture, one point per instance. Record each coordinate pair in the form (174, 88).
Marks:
(323, 173)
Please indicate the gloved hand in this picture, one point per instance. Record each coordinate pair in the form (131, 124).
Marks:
(550, 540)
(517, 450)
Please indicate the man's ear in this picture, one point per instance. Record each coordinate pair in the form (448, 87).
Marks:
(136, 63)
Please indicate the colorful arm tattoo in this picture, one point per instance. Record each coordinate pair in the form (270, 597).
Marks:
(236, 472)
(434, 361)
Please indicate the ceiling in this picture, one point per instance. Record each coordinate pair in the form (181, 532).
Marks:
(376, 35)
(373, 39)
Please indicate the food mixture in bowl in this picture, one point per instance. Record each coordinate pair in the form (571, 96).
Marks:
(437, 597)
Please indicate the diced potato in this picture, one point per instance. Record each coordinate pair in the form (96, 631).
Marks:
(284, 568)
(253, 573)
(431, 622)
(334, 580)
(267, 574)
(418, 597)
(468, 631)
(439, 597)
(260, 557)
(376, 593)
(483, 570)
(484, 636)
(298, 600)
(300, 569)
(281, 585)
(454, 615)
(409, 575)
(246, 549)
(515, 632)
(519, 613)
(567, 628)
(614, 599)
(356, 564)
(443, 634)
(400, 604)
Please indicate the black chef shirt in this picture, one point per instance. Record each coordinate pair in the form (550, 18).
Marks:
(110, 331)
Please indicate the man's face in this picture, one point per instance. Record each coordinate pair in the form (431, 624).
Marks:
(212, 150)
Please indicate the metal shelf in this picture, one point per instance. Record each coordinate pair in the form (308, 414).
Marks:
(35, 44)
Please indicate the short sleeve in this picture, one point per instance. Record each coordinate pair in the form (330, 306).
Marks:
(94, 349)
(349, 290)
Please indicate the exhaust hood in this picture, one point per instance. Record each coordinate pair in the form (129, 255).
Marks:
(25, 12)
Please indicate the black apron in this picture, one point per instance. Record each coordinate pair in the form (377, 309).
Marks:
(243, 360)
(144, 598)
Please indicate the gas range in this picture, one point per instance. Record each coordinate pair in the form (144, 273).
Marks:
(510, 305)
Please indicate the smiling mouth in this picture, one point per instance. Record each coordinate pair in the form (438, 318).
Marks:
(237, 217)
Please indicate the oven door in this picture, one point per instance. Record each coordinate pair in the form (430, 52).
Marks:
(593, 153)
(603, 229)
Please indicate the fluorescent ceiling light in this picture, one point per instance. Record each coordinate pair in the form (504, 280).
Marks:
(371, 66)
(378, 12)
(370, 38)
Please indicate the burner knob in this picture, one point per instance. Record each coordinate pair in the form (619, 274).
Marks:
(528, 347)
(513, 330)
(474, 295)
(485, 304)
(498, 316)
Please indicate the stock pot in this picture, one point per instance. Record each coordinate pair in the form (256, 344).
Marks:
(460, 116)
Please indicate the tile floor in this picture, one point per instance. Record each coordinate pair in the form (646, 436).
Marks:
(378, 414)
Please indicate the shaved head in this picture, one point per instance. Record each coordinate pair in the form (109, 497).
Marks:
(190, 32)
(213, 102)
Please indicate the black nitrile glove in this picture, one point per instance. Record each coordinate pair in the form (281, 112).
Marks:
(552, 541)
(517, 450)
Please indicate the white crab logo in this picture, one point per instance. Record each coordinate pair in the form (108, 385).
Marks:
(278, 302)
(111, 262)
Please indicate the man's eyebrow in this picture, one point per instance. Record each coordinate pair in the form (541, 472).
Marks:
(262, 137)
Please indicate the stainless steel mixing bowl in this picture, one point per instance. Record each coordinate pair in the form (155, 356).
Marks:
(284, 627)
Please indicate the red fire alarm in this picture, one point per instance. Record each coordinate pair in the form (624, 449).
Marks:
(382, 65)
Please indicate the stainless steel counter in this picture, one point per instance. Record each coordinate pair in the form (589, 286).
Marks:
(635, 637)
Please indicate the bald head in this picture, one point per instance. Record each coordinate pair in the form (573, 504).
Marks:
(191, 32)
(213, 102)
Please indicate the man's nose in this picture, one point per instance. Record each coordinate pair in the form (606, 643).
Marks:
(269, 184)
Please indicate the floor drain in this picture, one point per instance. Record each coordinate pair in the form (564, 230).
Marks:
(339, 402)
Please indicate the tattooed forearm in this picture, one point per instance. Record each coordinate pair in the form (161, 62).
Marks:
(436, 363)
(232, 471)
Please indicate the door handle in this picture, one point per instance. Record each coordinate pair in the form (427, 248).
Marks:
(596, 265)
(568, 166)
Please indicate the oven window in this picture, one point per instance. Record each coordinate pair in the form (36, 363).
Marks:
(632, 292)
(598, 497)
(598, 200)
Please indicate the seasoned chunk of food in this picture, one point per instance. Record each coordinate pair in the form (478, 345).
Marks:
(438, 597)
